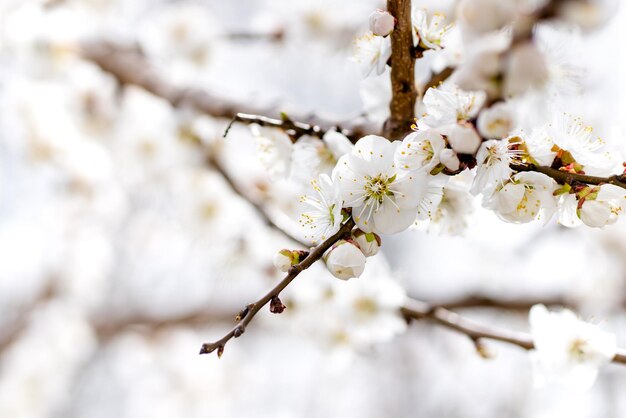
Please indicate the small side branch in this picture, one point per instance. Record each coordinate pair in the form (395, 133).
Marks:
(248, 313)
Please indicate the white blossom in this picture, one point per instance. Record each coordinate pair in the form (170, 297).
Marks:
(383, 198)
(449, 158)
(567, 350)
(493, 164)
(420, 150)
(337, 143)
(345, 260)
(455, 207)
(602, 206)
(381, 22)
(446, 105)
(462, 137)
(526, 197)
(372, 53)
(540, 146)
(322, 218)
(481, 16)
(571, 134)
(429, 34)
(274, 150)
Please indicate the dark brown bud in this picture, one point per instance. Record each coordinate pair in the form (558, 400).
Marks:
(276, 305)
(238, 331)
(220, 351)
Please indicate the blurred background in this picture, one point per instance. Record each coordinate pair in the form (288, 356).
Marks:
(123, 246)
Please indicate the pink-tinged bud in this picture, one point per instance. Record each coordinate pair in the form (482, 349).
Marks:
(449, 159)
(368, 242)
(381, 22)
(345, 260)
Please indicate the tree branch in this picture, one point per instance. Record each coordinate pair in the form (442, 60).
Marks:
(248, 313)
(403, 89)
(563, 177)
(130, 67)
(418, 310)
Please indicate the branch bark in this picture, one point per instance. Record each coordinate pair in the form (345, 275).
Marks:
(403, 55)
(569, 178)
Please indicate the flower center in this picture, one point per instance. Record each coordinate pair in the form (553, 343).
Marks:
(376, 188)
(579, 349)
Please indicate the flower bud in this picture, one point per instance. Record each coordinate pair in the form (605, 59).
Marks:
(462, 137)
(368, 242)
(449, 159)
(381, 22)
(284, 259)
(345, 260)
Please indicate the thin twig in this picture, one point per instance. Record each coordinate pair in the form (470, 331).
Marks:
(251, 310)
(419, 310)
(293, 128)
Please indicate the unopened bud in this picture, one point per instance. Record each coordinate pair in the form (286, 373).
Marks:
(345, 260)
(449, 159)
(284, 259)
(276, 305)
(368, 242)
(381, 22)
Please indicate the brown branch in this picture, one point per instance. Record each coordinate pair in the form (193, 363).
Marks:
(248, 313)
(260, 209)
(438, 78)
(419, 310)
(563, 177)
(403, 89)
(519, 305)
(130, 67)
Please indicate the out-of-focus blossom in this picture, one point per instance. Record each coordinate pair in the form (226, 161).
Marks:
(322, 217)
(371, 53)
(567, 350)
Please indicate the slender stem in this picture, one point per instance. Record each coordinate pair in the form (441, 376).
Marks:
(252, 309)
(403, 89)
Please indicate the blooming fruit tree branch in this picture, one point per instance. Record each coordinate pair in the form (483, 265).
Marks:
(493, 125)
